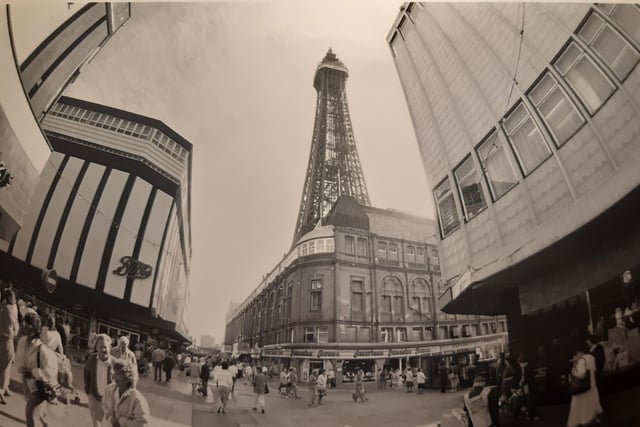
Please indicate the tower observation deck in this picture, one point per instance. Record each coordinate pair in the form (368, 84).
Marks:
(334, 167)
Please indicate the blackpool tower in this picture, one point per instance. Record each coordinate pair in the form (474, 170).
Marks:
(334, 167)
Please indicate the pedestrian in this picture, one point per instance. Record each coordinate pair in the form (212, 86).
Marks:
(382, 380)
(167, 365)
(312, 381)
(38, 366)
(293, 383)
(331, 378)
(186, 364)
(224, 382)
(157, 357)
(204, 377)
(233, 369)
(421, 379)
(98, 373)
(122, 351)
(248, 374)
(585, 405)
(321, 386)
(9, 328)
(283, 388)
(260, 388)
(359, 392)
(123, 404)
(442, 371)
(409, 380)
(525, 379)
(194, 372)
(50, 336)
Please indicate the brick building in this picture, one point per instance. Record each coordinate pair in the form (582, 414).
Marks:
(359, 290)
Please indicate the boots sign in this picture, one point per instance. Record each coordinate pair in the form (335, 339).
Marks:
(132, 268)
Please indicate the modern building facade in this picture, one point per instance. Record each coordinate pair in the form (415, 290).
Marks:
(37, 62)
(334, 166)
(527, 118)
(111, 216)
(359, 290)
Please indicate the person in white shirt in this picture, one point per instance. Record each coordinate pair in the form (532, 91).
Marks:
(123, 404)
(234, 374)
(224, 383)
(49, 336)
(35, 362)
(421, 378)
(98, 373)
(321, 386)
(122, 352)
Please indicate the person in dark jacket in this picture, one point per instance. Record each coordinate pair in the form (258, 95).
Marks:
(443, 376)
(167, 365)
(98, 373)
(205, 375)
(597, 351)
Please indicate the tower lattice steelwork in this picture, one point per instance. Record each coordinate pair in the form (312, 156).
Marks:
(334, 167)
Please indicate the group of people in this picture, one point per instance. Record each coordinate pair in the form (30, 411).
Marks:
(398, 380)
(110, 375)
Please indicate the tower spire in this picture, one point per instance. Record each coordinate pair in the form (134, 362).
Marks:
(334, 166)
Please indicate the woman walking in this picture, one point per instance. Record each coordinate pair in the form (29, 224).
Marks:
(194, 373)
(124, 405)
(585, 406)
(260, 388)
(38, 366)
(321, 386)
(359, 392)
(224, 382)
(409, 380)
(9, 328)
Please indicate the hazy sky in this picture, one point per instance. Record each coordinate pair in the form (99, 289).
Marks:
(236, 79)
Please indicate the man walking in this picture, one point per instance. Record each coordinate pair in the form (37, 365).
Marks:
(157, 357)
(123, 352)
(167, 365)
(260, 389)
(98, 373)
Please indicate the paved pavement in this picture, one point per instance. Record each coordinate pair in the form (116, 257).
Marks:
(174, 405)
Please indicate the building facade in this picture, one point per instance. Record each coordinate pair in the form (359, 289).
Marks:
(527, 118)
(111, 217)
(359, 290)
(42, 49)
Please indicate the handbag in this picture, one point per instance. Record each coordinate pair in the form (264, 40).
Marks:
(580, 385)
(266, 388)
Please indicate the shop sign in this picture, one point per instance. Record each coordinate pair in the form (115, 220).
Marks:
(133, 269)
(370, 353)
(50, 280)
(400, 352)
(328, 353)
(427, 350)
(303, 353)
(276, 352)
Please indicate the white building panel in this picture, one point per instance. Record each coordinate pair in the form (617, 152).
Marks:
(127, 233)
(94, 248)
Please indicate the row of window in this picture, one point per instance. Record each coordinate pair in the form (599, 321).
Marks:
(320, 334)
(586, 72)
(122, 126)
(388, 250)
(316, 246)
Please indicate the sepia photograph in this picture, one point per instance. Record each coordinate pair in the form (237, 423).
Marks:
(292, 213)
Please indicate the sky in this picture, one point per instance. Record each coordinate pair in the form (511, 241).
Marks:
(236, 80)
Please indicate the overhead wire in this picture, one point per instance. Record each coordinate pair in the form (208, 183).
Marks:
(514, 80)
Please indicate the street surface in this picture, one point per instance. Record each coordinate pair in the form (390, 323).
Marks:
(174, 405)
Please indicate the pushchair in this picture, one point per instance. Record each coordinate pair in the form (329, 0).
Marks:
(65, 391)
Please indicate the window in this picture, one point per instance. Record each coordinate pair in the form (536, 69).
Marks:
(416, 334)
(428, 333)
(392, 296)
(398, 309)
(485, 329)
(470, 188)
(386, 304)
(330, 245)
(382, 247)
(454, 332)
(584, 77)
(411, 252)
(627, 16)
(420, 296)
(444, 332)
(357, 295)
(309, 335)
(401, 334)
(362, 246)
(527, 141)
(386, 334)
(610, 46)
(323, 334)
(349, 245)
(315, 300)
(558, 112)
(312, 248)
(446, 205)
(393, 249)
(320, 246)
(496, 166)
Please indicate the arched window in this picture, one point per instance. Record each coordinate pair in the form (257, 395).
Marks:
(420, 297)
(392, 296)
